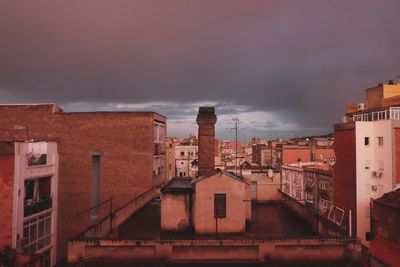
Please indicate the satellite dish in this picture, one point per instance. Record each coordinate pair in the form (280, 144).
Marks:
(270, 173)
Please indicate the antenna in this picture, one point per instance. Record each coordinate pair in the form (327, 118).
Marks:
(236, 120)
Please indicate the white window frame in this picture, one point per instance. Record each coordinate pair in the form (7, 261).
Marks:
(34, 222)
(309, 198)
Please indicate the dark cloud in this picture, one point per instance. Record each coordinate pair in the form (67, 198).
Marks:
(303, 61)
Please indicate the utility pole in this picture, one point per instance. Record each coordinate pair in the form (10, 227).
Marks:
(236, 120)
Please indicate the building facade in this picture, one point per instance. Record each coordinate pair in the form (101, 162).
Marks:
(367, 158)
(128, 149)
(29, 193)
(186, 157)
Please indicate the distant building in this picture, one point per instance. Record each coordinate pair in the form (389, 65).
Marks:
(186, 155)
(170, 155)
(315, 150)
(385, 243)
(29, 200)
(259, 152)
(101, 155)
(367, 155)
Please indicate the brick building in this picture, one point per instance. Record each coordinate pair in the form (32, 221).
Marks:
(385, 243)
(131, 146)
(314, 150)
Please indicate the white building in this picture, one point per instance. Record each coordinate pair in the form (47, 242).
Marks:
(293, 181)
(376, 158)
(186, 160)
(33, 211)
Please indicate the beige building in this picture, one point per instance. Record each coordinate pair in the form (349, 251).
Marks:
(221, 204)
(176, 199)
(215, 204)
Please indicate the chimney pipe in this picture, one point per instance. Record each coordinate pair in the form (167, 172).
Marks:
(206, 120)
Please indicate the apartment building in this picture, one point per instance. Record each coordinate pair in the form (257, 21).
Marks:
(367, 157)
(126, 151)
(186, 158)
(28, 192)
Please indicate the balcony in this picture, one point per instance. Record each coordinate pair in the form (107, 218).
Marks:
(36, 207)
(391, 113)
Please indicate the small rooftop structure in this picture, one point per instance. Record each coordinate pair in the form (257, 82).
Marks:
(390, 199)
(210, 204)
(178, 185)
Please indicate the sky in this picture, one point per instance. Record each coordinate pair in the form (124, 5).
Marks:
(284, 68)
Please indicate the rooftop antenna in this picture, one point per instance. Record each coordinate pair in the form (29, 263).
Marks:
(236, 120)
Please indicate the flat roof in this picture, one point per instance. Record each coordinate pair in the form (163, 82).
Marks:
(390, 199)
(58, 109)
(178, 185)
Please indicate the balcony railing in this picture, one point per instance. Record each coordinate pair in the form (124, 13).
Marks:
(38, 206)
(392, 113)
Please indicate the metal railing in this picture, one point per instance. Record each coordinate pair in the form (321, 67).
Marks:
(391, 113)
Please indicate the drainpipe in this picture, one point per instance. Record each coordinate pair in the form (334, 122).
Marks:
(350, 225)
(95, 184)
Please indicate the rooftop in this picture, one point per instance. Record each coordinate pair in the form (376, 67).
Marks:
(178, 185)
(391, 199)
(269, 221)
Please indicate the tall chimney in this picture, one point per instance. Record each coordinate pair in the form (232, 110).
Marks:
(206, 120)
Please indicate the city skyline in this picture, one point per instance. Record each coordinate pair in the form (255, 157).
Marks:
(284, 68)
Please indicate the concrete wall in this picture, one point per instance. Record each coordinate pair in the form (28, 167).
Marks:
(6, 193)
(216, 250)
(371, 158)
(125, 139)
(267, 188)
(175, 211)
(235, 221)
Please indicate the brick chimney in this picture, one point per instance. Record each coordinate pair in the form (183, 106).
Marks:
(206, 120)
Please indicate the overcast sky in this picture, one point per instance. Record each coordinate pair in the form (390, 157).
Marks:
(285, 68)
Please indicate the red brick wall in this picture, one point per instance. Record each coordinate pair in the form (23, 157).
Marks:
(126, 142)
(397, 153)
(385, 245)
(327, 153)
(345, 171)
(291, 155)
(6, 199)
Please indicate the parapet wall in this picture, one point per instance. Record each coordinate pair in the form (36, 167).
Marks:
(214, 250)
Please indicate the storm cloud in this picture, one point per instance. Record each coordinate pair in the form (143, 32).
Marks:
(285, 68)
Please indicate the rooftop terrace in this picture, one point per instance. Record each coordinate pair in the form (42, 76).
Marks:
(269, 221)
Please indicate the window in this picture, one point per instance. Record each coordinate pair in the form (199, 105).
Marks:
(380, 140)
(324, 205)
(298, 193)
(183, 153)
(366, 141)
(37, 195)
(309, 197)
(37, 233)
(324, 185)
(220, 205)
